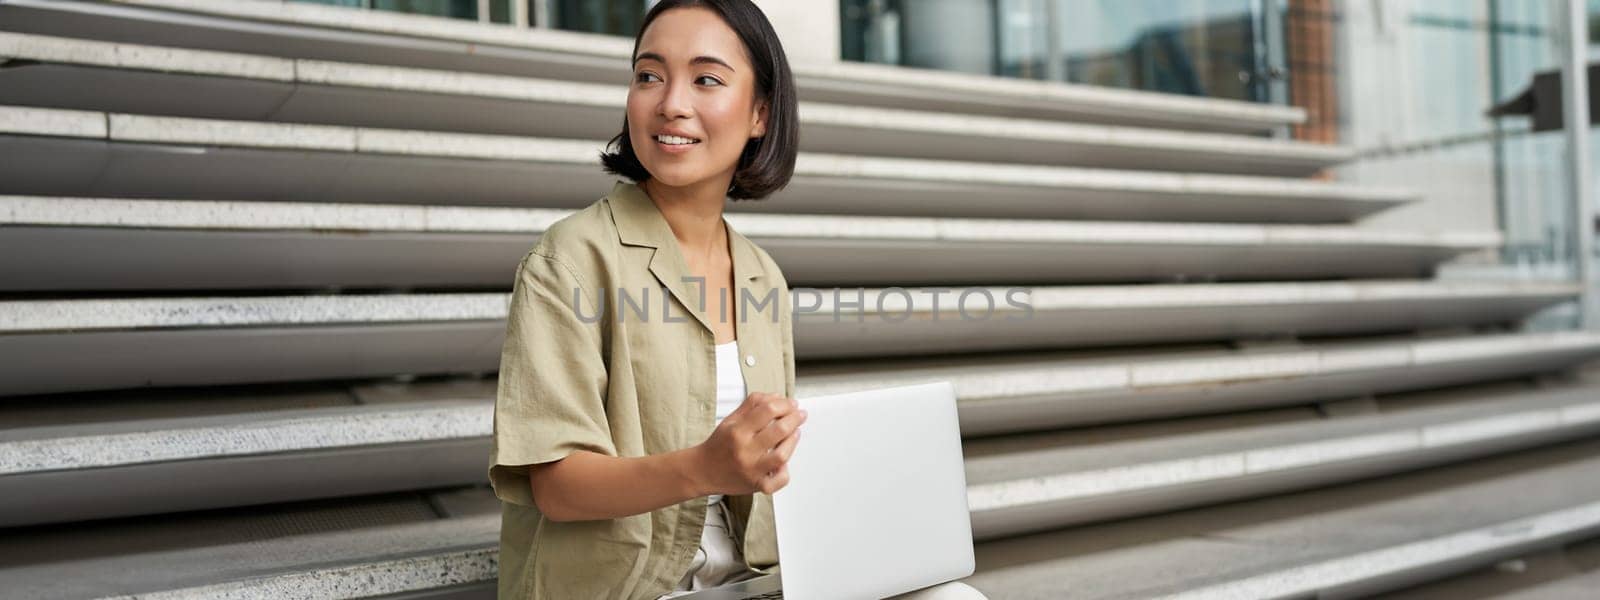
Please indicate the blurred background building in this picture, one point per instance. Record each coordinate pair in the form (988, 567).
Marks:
(1306, 318)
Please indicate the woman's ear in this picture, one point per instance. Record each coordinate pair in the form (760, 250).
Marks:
(758, 127)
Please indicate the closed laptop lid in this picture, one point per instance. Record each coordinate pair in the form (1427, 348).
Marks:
(876, 503)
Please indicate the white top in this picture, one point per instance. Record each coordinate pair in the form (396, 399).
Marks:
(730, 387)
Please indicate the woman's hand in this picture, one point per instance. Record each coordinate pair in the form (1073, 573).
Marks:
(749, 450)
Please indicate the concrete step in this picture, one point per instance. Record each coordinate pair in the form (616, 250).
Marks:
(157, 80)
(1373, 535)
(1340, 542)
(1075, 316)
(83, 153)
(172, 450)
(193, 463)
(222, 340)
(1038, 482)
(999, 393)
(823, 184)
(59, 243)
(298, 31)
(434, 545)
(1037, 391)
(1570, 572)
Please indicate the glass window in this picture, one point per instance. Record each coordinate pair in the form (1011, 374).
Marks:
(1531, 166)
(500, 11)
(1024, 39)
(456, 9)
(870, 31)
(1594, 27)
(614, 17)
(1196, 47)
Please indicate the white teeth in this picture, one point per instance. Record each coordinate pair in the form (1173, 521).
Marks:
(675, 140)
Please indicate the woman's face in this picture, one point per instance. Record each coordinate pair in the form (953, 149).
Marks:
(691, 104)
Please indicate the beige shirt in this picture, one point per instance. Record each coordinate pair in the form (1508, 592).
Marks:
(595, 375)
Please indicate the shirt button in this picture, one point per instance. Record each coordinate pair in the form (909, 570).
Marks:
(749, 360)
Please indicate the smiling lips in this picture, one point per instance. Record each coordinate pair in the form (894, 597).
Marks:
(676, 139)
(674, 144)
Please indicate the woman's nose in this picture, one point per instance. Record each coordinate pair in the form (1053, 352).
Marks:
(675, 101)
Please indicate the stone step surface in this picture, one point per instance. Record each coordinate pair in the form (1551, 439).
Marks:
(87, 153)
(1017, 483)
(1373, 536)
(1346, 541)
(289, 30)
(168, 81)
(244, 339)
(66, 244)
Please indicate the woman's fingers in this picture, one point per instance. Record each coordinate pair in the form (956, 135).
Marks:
(776, 431)
(766, 425)
(743, 407)
(779, 457)
(764, 408)
(775, 480)
(754, 403)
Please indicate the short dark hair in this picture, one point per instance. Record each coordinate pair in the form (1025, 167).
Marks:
(767, 162)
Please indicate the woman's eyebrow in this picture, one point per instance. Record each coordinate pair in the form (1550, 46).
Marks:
(702, 59)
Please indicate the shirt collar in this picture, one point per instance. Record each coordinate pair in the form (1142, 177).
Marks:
(640, 223)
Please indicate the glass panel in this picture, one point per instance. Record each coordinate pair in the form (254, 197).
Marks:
(1533, 172)
(456, 9)
(955, 35)
(1594, 132)
(614, 17)
(1594, 27)
(500, 11)
(1024, 39)
(1594, 150)
(1416, 80)
(1196, 47)
(870, 31)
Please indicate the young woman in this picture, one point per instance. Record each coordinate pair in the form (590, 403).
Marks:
(645, 410)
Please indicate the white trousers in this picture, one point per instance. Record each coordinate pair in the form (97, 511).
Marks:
(718, 562)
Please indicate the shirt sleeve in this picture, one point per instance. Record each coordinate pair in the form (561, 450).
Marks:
(550, 400)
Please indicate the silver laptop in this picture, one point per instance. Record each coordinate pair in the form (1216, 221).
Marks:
(876, 503)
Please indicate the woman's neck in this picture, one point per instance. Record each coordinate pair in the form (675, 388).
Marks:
(694, 213)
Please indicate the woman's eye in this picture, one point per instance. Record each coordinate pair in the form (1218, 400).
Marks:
(647, 77)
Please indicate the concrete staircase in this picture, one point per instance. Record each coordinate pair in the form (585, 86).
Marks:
(256, 257)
